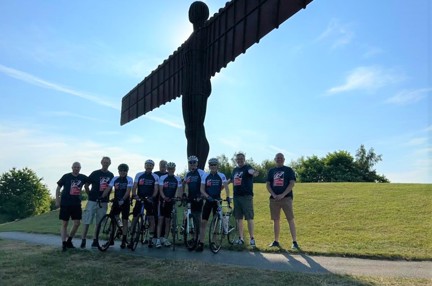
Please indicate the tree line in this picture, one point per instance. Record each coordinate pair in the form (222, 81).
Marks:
(338, 166)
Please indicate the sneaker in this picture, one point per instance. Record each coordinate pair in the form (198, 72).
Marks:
(64, 247)
(69, 244)
(239, 241)
(123, 245)
(94, 243)
(252, 242)
(158, 243)
(200, 247)
(274, 244)
(130, 245)
(167, 243)
(295, 245)
(83, 243)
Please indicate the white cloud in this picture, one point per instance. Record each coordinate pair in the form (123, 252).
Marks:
(51, 155)
(409, 96)
(31, 79)
(417, 141)
(339, 34)
(367, 78)
(176, 123)
(71, 114)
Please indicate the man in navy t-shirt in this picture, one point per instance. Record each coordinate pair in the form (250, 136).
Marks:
(280, 183)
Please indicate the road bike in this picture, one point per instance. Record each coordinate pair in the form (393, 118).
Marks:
(220, 226)
(140, 228)
(110, 227)
(176, 228)
(191, 226)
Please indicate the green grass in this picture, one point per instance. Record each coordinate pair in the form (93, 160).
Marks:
(388, 221)
(28, 264)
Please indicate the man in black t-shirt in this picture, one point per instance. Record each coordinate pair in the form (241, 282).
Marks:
(280, 183)
(99, 181)
(69, 201)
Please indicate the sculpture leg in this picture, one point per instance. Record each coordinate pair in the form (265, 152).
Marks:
(194, 110)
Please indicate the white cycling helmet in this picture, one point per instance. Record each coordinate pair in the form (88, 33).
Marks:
(213, 161)
(193, 158)
(171, 165)
(150, 162)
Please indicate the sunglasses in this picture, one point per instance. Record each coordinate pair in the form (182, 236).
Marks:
(212, 165)
(193, 162)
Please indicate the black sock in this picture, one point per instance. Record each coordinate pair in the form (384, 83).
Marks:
(69, 239)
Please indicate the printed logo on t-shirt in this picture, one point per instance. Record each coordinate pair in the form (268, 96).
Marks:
(75, 189)
(103, 183)
(278, 179)
(238, 179)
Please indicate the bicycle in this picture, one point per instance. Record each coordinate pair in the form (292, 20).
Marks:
(233, 232)
(174, 223)
(139, 230)
(110, 227)
(191, 227)
(220, 226)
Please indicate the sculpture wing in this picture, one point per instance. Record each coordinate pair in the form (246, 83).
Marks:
(161, 86)
(242, 23)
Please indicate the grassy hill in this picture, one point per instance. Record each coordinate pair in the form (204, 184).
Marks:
(391, 221)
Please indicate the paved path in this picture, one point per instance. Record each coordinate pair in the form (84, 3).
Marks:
(272, 261)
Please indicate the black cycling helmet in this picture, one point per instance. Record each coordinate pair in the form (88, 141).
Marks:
(123, 167)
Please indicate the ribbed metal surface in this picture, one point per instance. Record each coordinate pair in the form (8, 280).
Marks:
(229, 32)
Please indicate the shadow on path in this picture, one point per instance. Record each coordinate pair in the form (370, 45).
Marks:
(272, 261)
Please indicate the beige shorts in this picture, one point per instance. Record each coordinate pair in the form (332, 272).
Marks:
(286, 204)
(93, 210)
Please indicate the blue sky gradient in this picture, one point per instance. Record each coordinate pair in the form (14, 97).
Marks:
(336, 75)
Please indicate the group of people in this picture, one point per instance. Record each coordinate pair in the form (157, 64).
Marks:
(157, 191)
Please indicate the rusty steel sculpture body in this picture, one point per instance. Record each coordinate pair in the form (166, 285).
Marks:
(213, 44)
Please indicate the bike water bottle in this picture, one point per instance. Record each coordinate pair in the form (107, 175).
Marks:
(119, 221)
(225, 219)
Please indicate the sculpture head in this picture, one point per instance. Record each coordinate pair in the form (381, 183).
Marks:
(198, 14)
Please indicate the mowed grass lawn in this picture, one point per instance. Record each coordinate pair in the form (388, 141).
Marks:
(388, 221)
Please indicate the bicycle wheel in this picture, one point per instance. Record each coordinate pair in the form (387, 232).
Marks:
(174, 230)
(233, 233)
(145, 226)
(215, 234)
(190, 232)
(105, 233)
(135, 233)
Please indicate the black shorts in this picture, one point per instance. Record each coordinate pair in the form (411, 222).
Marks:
(124, 209)
(148, 206)
(196, 206)
(208, 208)
(70, 212)
(166, 209)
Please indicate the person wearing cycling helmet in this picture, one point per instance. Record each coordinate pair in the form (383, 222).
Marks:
(122, 185)
(145, 188)
(192, 186)
(169, 186)
(162, 171)
(211, 187)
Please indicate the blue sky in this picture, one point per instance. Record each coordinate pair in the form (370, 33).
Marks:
(336, 75)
